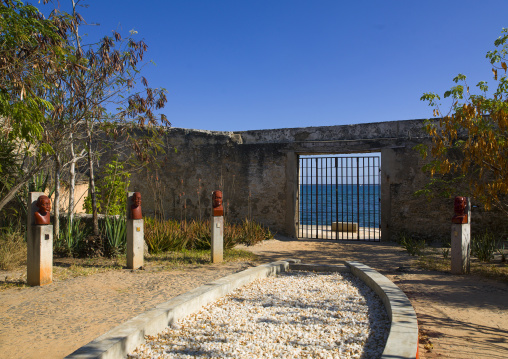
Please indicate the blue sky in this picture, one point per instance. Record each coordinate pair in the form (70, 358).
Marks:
(233, 65)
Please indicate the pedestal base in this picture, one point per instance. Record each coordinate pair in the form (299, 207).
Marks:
(217, 239)
(460, 251)
(40, 255)
(135, 243)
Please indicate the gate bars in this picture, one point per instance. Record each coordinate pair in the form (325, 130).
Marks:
(339, 198)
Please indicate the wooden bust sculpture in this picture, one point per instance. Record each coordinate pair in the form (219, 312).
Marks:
(218, 210)
(459, 207)
(42, 216)
(136, 206)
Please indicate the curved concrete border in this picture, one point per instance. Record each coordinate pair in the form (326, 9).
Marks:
(402, 341)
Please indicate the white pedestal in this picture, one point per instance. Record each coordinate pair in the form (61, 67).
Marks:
(460, 252)
(135, 243)
(40, 255)
(217, 239)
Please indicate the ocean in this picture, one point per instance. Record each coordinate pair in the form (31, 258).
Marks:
(323, 204)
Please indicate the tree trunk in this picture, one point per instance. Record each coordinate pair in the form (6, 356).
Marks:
(56, 204)
(72, 185)
(91, 188)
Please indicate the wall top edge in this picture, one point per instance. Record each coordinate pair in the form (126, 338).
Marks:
(374, 131)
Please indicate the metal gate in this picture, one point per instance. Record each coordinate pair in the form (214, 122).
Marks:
(339, 198)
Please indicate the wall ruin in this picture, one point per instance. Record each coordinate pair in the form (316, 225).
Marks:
(257, 172)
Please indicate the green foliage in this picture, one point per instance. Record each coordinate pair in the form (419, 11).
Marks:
(115, 231)
(470, 142)
(483, 246)
(9, 164)
(248, 233)
(72, 236)
(32, 53)
(172, 235)
(412, 246)
(110, 190)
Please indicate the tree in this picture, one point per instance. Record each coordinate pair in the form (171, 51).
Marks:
(471, 141)
(107, 77)
(32, 55)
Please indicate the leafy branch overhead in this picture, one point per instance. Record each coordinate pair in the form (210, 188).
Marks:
(470, 140)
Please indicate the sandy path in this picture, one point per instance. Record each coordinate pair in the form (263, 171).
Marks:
(464, 316)
(54, 320)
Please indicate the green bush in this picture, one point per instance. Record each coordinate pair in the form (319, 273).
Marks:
(483, 247)
(412, 246)
(110, 190)
(114, 229)
(72, 236)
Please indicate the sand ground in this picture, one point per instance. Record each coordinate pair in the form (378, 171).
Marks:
(461, 316)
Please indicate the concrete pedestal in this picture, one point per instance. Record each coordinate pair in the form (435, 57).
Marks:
(460, 251)
(217, 239)
(40, 255)
(135, 243)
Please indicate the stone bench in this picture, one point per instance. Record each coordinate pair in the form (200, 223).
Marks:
(345, 227)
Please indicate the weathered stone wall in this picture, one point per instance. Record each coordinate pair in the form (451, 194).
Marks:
(251, 177)
(257, 171)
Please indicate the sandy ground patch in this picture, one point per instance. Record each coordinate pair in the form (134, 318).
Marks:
(462, 316)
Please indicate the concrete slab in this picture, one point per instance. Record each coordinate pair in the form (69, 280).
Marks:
(345, 227)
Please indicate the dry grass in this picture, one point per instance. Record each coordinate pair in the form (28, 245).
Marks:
(433, 259)
(68, 267)
(181, 259)
(12, 250)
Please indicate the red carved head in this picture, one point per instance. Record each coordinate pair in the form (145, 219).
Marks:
(459, 205)
(44, 204)
(136, 199)
(217, 199)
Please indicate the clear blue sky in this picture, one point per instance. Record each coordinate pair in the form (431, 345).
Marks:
(258, 64)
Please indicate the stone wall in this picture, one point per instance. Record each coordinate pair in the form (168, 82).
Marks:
(257, 171)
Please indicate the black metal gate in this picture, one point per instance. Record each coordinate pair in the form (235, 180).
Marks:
(339, 198)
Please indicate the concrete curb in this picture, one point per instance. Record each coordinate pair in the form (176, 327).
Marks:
(402, 341)
(118, 342)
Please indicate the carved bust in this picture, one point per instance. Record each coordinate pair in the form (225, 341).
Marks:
(42, 216)
(459, 207)
(136, 206)
(218, 210)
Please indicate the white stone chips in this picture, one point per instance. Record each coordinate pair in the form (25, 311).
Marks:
(293, 315)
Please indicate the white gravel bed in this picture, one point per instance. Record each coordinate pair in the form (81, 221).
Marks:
(293, 315)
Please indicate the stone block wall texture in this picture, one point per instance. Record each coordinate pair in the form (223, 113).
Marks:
(257, 172)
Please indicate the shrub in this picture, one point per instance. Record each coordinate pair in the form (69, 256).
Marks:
(412, 246)
(114, 229)
(110, 190)
(72, 236)
(483, 246)
(162, 236)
